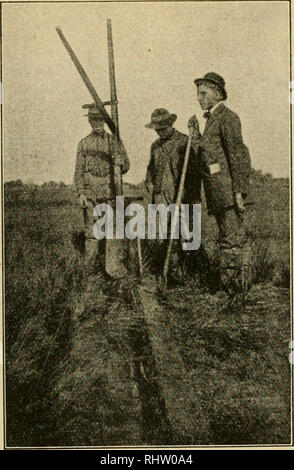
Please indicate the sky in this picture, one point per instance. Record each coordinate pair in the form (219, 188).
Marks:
(159, 49)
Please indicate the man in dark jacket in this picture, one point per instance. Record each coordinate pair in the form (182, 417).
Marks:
(165, 168)
(166, 161)
(225, 169)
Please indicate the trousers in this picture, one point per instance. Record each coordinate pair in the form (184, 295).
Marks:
(92, 246)
(231, 229)
(234, 254)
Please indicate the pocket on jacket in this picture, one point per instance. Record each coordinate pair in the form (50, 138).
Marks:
(218, 191)
(97, 166)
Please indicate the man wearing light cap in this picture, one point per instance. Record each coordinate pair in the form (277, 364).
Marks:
(93, 176)
(225, 169)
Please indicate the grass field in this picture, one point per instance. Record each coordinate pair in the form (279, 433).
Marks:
(96, 378)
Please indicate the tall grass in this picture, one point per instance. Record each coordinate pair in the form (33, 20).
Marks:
(90, 377)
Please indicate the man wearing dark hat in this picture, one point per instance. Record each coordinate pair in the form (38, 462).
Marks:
(225, 169)
(166, 162)
(93, 177)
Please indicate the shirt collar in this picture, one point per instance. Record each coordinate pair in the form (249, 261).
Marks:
(214, 107)
(102, 135)
(169, 136)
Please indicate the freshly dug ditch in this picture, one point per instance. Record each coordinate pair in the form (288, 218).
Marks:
(124, 381)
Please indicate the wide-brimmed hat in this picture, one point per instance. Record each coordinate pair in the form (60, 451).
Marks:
(161, 118)
(214, 78)
(93, 111)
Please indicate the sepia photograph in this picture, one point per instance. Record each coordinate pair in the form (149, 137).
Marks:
(146, 224)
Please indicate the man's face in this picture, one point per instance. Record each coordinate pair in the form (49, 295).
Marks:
(164, 132)
(206, 96)
(96, 124)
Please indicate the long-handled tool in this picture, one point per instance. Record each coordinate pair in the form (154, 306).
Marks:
(114, 108)
(87, 81)
(114, 254)
(178, 203)
(116, 245)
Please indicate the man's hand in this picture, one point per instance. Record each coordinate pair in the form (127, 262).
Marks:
(83, 200)
(239, 202)
(149, 187)
(118, 160)
(194, 124)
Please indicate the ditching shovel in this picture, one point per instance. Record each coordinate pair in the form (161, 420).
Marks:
(178, 204)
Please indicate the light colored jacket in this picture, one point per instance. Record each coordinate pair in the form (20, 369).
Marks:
(93, 171)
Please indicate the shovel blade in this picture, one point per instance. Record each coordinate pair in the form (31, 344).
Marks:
(114, 258)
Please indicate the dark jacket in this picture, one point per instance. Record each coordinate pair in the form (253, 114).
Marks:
(167, 157)
(224, 160)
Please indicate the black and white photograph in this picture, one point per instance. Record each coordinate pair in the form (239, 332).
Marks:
(146, 225)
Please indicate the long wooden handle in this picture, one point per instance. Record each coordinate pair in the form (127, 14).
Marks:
(87, 82)
(114, 108)
(178, 203)
(113, 95)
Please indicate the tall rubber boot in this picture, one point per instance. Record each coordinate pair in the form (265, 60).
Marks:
(90, 255)
(230, 269)
(176, 271)
(246, 272)
(235, 269)
(90, 260)
(91, 249)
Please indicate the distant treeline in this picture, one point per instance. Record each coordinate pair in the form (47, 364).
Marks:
(257, 175)
(266, 189)
(19, 185)
(50, 193)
